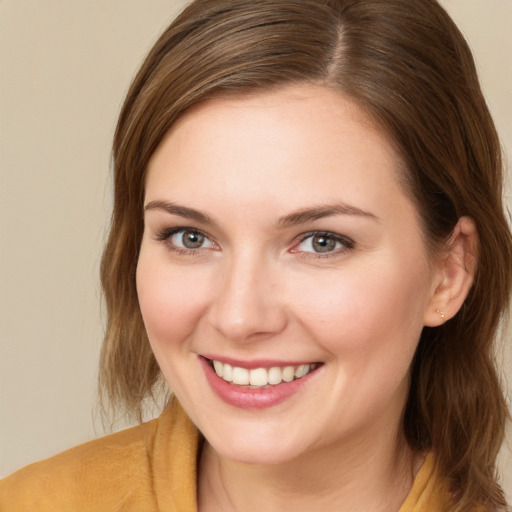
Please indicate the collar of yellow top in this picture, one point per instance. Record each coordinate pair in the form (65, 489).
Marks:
(174, 461)
(427, 493)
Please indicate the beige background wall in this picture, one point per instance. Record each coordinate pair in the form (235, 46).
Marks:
(64, 68)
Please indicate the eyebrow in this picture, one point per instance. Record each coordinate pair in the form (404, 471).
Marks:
(182, 211)
(320, 212)
(293, 219)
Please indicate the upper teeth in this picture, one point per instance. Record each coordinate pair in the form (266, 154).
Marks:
(260, 377)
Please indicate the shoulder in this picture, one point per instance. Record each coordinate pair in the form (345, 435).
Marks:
(99, 475)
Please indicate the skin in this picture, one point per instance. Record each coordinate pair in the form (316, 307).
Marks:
(256, 289)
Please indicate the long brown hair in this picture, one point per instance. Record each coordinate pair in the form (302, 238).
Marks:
(404, 62)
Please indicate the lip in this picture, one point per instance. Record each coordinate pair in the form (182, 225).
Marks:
(247, 398)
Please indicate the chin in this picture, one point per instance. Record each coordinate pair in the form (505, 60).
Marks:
(261, 446)
(255, 456)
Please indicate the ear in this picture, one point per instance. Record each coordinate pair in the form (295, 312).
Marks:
(455, 270)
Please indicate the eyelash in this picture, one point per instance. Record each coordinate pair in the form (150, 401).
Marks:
(348, 244)
(164, 236)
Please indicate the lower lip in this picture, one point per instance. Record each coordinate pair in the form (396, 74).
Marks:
(248, 398)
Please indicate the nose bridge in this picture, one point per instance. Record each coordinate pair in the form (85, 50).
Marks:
(246, 302)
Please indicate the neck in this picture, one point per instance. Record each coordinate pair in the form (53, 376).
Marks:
(373, 472)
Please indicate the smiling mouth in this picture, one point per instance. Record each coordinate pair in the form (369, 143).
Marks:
(258, 378)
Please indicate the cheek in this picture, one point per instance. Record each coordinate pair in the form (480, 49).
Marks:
(366, 310)
(170, 302)
(368, 323)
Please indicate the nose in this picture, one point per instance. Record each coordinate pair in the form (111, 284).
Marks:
(247, 304)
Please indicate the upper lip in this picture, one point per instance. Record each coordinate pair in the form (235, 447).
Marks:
(256, 363)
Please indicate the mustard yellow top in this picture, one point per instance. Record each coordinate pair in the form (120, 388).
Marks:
(148, 468)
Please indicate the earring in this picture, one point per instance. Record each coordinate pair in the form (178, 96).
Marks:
(441, 313)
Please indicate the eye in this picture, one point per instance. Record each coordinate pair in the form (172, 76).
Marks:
(322, 243)
(186, 240)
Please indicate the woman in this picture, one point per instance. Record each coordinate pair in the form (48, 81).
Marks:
(308, 244)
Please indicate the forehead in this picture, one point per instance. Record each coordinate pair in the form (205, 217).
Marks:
(281, 133)
(276, 151)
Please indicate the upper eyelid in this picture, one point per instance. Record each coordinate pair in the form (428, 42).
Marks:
(301, 236)
(167, 232)
(337, 236)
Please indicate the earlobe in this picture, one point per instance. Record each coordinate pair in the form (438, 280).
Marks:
(455, 272)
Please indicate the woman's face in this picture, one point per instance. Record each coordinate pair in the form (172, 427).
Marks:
(279, 244)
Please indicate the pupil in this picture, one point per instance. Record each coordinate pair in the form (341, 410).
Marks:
(192, 240)
(322, 243)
